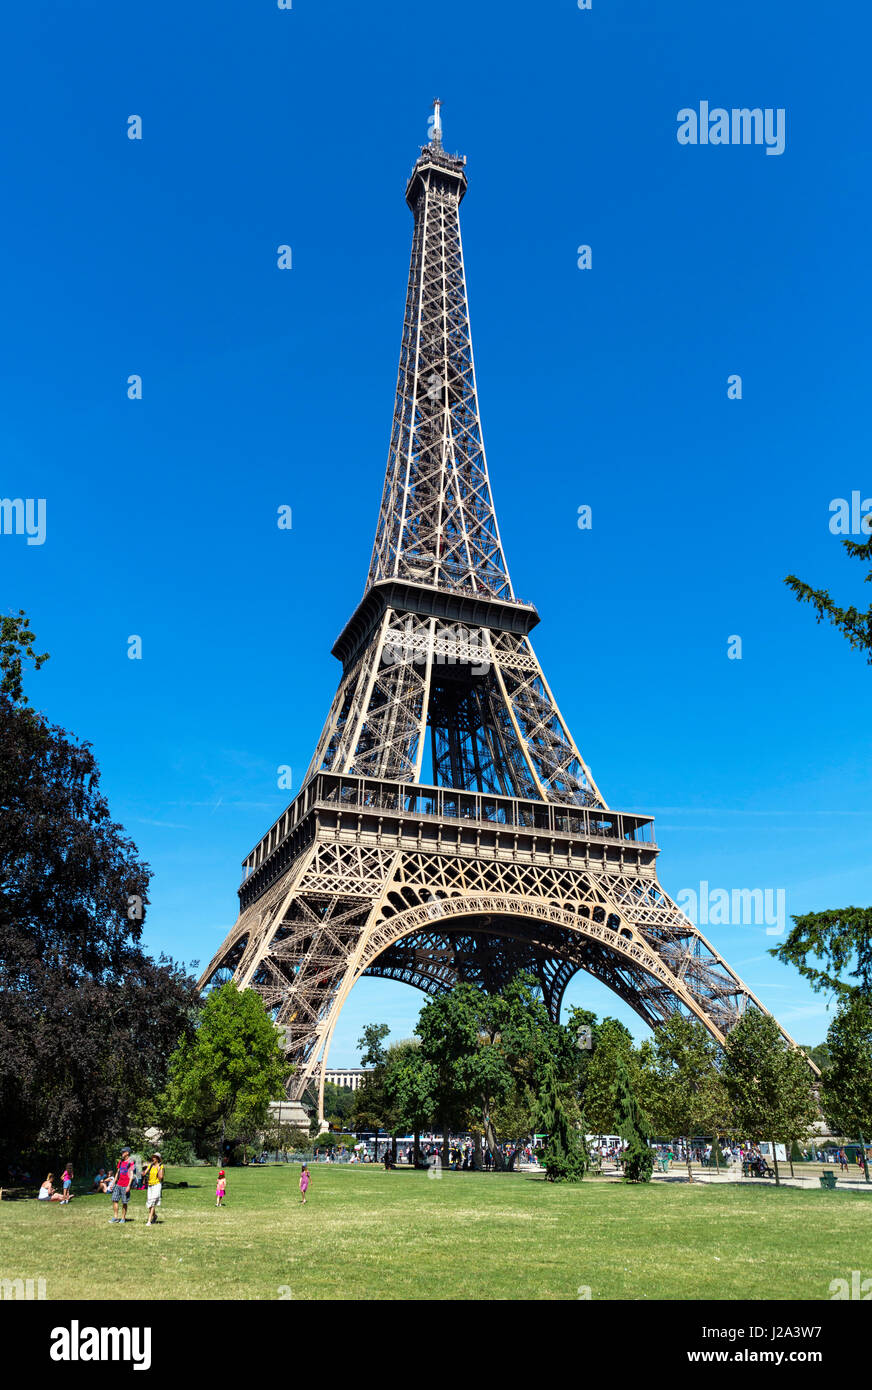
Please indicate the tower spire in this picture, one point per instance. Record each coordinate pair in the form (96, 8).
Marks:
(437, 523)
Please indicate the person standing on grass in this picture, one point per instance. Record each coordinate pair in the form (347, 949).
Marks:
(154, 1182)
(67, 1180)
(220, 1189)
(304, 1185)
(121, 1189)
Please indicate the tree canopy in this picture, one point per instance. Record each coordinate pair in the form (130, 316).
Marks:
(223, 1075)
(87, 1018)
(853, 623)
(768, 1083)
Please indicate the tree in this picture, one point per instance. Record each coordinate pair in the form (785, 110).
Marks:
(16, 647)
(488, 1051)
(409, 1084)
(846, 1090)
(612, 1043)
(632, 1127)
(564, 1159)
(87, 1019)
(685, 1096)
(338, 1103)
(768, 1083)
(841, 939)
(819, 1054)
(225, 1075)
(854, 624)
(371, 1044)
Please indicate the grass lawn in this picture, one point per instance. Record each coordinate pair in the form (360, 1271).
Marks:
(368, 1234)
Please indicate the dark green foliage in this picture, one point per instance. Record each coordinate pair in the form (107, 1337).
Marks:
(841, 941)
(16, 646)
(488, 1052)
(633, 1128)
(846, 1091)
(177, 1151)
(564, 1159)
(87, 1019)
(597, 1072)
(854, 624)
(338, 1102)
(768, 1083)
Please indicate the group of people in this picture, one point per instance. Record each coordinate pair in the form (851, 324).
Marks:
(118, 1185)
(122, 1182)
(49, 1193)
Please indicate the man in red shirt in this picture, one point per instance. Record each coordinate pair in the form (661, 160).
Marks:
(121, 1189)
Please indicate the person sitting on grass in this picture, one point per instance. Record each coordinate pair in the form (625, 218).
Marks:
(47, 1192)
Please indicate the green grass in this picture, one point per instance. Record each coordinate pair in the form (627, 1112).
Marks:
(368, 1234)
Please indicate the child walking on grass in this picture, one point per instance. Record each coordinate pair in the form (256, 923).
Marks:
(304, 1185)
(220, 1189)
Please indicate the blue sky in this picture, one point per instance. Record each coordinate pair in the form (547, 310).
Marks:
(605, 387)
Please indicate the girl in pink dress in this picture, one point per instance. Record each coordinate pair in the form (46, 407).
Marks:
(304, 1184)
(220, 1189)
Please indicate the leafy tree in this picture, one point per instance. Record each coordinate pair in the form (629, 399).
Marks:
(177, 1152)
(371, 1044)
(486, 1049)
(224, 1076)
(371, 1106)
(338, 1102)
(768, 1083)
(684, 1096)
(846, 1091)
(16, 647)
(854, 624)
(612, 1043)
(632, 1127)
(409, 1084)
(87, 1019)
(841, 939)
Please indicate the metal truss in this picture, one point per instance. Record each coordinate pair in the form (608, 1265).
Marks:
(448, 827)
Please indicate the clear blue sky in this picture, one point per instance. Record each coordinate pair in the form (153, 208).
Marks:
(607, 387)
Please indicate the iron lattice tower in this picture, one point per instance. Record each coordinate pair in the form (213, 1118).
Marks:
(499, 852)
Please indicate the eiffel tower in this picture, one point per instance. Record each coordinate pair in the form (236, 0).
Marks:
(448, 827)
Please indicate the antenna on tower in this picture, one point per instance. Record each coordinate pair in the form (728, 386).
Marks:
(435, 124)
